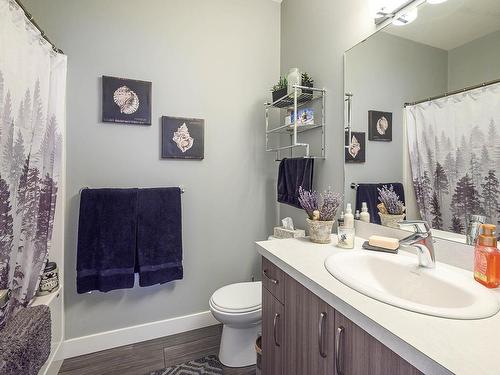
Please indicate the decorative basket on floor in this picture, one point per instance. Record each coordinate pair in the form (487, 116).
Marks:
(319, 231)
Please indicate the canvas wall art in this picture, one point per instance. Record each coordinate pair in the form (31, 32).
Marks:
(126, 101)
(380, 126)
(356, 150)
(182, 138)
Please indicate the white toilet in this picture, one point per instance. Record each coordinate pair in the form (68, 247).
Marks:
(239, 308)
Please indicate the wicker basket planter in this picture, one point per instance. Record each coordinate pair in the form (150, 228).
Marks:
(391, 221)
(319, 231)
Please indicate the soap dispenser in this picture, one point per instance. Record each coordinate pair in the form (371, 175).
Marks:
(487, 258)
(346, 229)
(348, 217)
(364, 215)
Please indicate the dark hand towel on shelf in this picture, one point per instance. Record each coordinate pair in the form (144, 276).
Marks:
(369, 193)
(293, 173)
(159, 236)
(106, 239)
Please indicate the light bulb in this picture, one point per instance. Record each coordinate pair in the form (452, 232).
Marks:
(406, 18)
(436, 1)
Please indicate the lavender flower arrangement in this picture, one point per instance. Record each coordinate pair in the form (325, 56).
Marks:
(326, 203)
(391, 201)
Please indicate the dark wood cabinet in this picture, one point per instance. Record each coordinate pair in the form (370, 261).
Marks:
(358, 353)
(303, 335)
(273, 279)
(273, 321)
(309, 328)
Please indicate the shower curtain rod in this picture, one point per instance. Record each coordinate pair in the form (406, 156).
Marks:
(32, 20)
(484, 84)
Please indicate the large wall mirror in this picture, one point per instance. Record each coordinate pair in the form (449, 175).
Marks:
(423, 116)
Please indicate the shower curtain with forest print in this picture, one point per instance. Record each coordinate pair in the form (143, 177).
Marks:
(32, 111)
(454, 146)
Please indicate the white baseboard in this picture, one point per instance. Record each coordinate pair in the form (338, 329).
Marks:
(142, 332)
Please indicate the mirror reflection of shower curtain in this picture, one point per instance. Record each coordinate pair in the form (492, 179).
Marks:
(454, 146)
(32, 112)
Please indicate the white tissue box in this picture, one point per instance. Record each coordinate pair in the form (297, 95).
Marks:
(280, 232)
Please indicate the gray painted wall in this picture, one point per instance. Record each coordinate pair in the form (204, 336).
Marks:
(475, 62)
(209, 59)
(383, 73)
(315, 35)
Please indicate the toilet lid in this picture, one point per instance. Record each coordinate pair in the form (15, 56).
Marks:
(238, 297)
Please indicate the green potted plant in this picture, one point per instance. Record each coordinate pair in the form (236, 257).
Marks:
(280, 89)
(321, 209)
(307, 81)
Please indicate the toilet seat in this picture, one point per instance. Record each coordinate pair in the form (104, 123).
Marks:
(240, 298)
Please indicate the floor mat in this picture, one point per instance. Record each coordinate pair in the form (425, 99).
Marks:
(208, 365)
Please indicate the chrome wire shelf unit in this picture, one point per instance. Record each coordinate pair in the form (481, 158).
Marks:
(300, 97)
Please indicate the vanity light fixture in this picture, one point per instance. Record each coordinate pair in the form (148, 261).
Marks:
(406, 18)
(385, 10)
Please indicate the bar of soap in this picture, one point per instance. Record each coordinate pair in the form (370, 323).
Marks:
(384, 242)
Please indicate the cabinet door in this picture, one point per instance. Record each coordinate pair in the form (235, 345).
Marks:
(309, 332)
(272, 334)
(358, 353)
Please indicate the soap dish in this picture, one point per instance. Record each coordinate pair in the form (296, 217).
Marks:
(367, 246)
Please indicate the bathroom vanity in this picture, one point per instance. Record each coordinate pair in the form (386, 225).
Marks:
(314, 324)
(302, 334)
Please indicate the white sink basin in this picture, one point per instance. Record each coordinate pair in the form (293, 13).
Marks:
(397, 280)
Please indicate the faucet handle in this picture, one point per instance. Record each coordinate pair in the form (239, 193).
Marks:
(420, 226)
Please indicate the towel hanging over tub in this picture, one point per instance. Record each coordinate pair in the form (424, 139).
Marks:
(123, 231)
(25, 341)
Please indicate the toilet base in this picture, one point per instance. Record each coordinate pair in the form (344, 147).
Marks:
(237, 346)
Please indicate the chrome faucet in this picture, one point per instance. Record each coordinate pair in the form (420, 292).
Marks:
(421, 240)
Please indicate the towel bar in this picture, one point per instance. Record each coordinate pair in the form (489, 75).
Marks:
(181, 187)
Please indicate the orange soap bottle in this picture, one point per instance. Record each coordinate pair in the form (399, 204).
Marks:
(487, 258)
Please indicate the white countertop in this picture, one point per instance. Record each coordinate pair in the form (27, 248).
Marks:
(433, 345)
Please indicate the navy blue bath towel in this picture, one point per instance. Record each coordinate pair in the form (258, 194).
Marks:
(368, 193)
(294, 173)
(123, 231)
(106, 239)
(159, 236)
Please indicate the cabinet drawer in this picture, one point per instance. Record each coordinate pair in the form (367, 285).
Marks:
(273, 279)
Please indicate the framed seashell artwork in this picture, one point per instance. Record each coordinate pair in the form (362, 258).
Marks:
(356, 150)
(182, 138)
(126, 101)
(379, 126)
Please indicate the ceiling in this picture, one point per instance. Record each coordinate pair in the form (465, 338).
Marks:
(451, 24)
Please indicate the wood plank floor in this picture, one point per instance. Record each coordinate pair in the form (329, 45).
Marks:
(148, 356)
